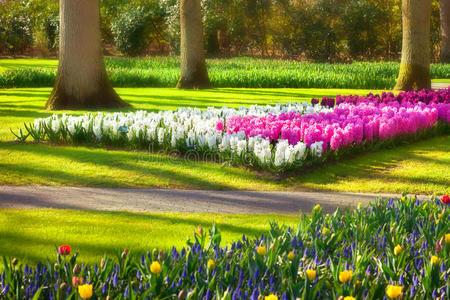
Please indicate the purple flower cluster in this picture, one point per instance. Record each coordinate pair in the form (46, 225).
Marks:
(362, 240)
(439, 99)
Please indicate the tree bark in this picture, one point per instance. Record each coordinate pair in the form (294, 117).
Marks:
(82, 81)
(194, 74)
(445, 30)
(415, 64)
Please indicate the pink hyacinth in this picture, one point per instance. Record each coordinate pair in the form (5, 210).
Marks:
(219, 126)
(353, 120)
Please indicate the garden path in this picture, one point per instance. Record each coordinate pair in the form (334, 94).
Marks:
(440, 85)
(158, 200)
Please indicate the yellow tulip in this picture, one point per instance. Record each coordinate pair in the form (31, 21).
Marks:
(435, 260)
(155, 268)
(349, 298)
(211, 264)
(393, 291)
(311, 274)
(261, 250)
(345, 276)
(359, 205)
(271, 297)
(325, 231)
(398, 249)
(85, 291)
(404, 198)
(291, 256)
(447, 238)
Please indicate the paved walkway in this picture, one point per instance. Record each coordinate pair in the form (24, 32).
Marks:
(155, 200)
(440, 85)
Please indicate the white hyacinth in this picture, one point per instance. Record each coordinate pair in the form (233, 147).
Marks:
(193, 128)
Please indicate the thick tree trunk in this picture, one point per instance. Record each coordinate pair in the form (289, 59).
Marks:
(193, 66)
(445, 30)
(415, 64)
(82, 81)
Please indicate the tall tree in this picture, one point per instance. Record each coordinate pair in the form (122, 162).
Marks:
(82, 81)
(194, 74)
(415, 63)
(445, 30)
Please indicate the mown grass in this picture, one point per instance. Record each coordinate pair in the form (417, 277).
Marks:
(24, 105)
(31, 235)
(421, 168)
(235, 72)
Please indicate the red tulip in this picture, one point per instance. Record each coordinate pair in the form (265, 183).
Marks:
(446, 199)
(77, 280)
(64, 250)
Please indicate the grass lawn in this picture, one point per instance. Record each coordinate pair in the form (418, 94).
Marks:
(31, 235)
(422, 167)
(12, 64)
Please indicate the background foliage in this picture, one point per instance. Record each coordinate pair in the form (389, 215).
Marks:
(317, 30)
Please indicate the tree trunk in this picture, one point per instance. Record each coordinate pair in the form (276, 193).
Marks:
(445, 30)
(193, 66)
(82, 81)
(415, 64)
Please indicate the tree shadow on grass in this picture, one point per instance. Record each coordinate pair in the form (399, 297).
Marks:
(376, 165)
(172, 170)
(273, 92)
(16, 243)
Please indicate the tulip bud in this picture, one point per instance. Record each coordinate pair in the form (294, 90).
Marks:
(102, 263)
(63, 286)
(154, 254)
(272, 246)
(200, 230)
(14, 261)
(438, 247)
(341, 298)
(260, 297)
(161, 255)
(431, 217)
(108, 298)
(182, 295)
(76, 269)
(124, 253)
(76, 281)
(133, 282)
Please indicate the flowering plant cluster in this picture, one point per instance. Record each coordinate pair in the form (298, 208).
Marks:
(391, 249)
(348, 124)
(439, 99)
(278, 138)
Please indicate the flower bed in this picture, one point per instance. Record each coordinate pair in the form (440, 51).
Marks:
(277, 138)
(438, 99)
(394, 248)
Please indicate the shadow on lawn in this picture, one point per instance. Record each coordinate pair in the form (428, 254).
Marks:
(169, 168)
(376, 165)
(304, 95)
(137, 229)
(182, 173)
